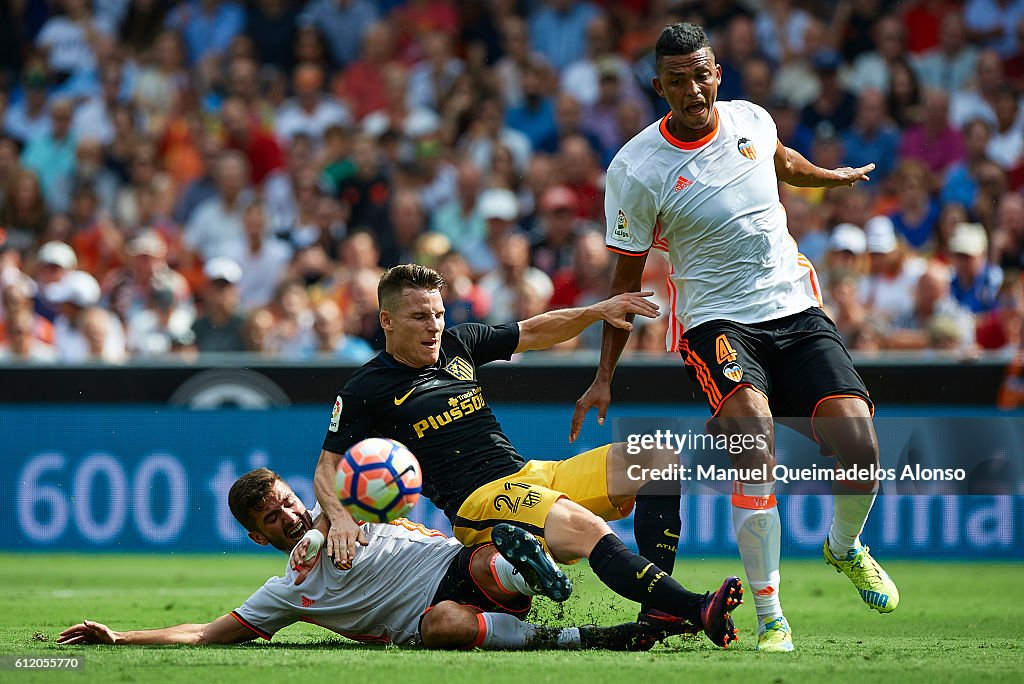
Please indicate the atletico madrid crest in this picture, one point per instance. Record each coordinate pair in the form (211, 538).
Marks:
(746, 148)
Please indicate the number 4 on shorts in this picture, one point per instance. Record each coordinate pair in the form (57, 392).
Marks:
(723, 350)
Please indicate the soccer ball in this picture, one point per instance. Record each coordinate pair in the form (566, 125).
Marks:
(378, 480)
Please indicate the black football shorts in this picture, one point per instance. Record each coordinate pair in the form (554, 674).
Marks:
(796, 361)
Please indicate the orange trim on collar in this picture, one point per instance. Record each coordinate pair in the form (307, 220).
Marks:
(682, 144)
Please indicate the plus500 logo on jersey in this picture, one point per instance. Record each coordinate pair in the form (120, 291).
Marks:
(461, 406)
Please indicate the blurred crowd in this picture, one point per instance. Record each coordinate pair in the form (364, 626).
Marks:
(178, 178)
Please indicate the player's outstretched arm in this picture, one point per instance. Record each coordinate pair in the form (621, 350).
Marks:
(548, 329)
(793, 168)
(344, 533)
(223, 630)
(628, 274)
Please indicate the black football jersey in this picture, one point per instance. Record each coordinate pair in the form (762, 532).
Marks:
(438, 412)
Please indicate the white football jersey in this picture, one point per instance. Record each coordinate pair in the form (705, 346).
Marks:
(713, 206)
(379, 599)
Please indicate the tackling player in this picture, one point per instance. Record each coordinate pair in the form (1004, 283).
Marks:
(409, 585)
(423, 391)
(702, 185)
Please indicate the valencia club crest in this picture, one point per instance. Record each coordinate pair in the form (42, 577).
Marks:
(746, 148)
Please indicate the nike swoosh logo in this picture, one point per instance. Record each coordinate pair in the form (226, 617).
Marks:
(399, 402)
(668, 533)
(640, 575)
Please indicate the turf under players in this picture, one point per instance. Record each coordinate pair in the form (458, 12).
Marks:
(423, 392)
(408, 585)
(702, 185)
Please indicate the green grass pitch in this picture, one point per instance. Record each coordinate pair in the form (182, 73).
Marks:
(957, 622)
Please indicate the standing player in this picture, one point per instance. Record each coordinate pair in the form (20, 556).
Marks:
(423, 391)
(409, 585)
(702, 185)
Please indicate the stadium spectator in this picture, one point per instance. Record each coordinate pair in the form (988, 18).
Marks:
(582, 78)
(29, 117)
(24, 215)
(399, 115)
(871, 69)
(16, 296)
(586, 280)
(993, 23)
(271, 25)
(934, 141)
(163, 319)
(1006, 143)
(951, 65)
(459, 218)
(311, 111)
(344, 22)
(1008, 234)
(244, 133)
(518, 55)
(932, 313)
(893, 271)
(464, 300)
(72, 39)
(917, 213)
(960, 184)
(220, 328)
(499, 209)
(216, 223)
(557, 230)
(51, 155)
(872, 138)
(331, 341)
(20, 343)
(834, 106)
(208, 27)
(904, 95)
(534, 116)
(1001, 329)
(93, 118)
(433, 76)
(844, 258)
(502, 284)
(558, 30)
(780, 29)
(132, 288)
(976, 281)
(75, 295)
(977, 100)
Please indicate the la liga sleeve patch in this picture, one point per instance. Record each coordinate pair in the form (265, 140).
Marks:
(336, 415)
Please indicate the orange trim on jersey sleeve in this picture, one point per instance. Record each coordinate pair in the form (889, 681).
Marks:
(626, 252)
(245, 623)
(683, 144)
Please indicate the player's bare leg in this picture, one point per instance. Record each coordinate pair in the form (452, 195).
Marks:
(755, 515)
(572, 532)
(843, 425)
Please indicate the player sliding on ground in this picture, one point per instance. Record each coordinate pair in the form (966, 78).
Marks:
(702, 186)
(423, 392)
(407, 585)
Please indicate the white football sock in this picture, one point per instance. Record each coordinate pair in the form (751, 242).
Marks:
(508, 578)
(503, 631)
(755, 517)
(850, 508)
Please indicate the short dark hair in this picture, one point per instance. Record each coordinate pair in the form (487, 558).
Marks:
(398, 278)
(682, 38)
(249, 494)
